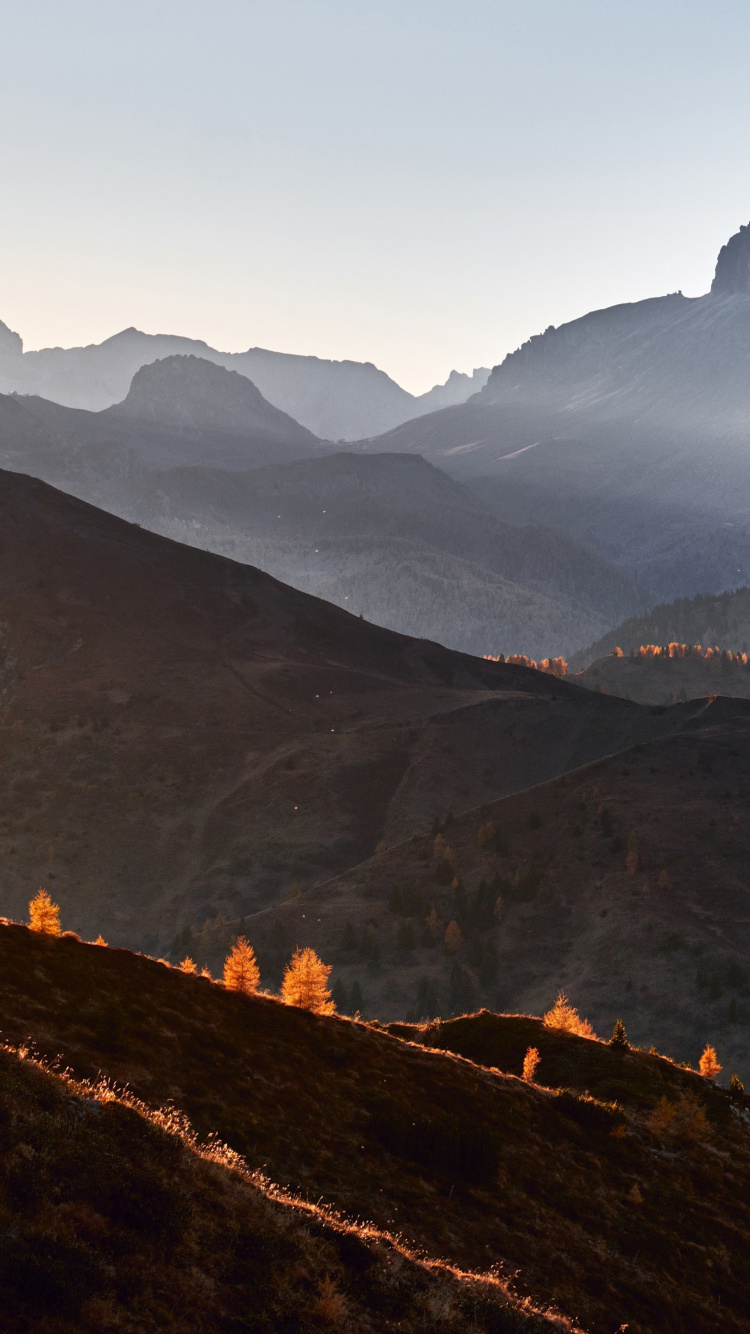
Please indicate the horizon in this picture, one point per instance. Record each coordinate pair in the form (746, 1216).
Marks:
(420, 189)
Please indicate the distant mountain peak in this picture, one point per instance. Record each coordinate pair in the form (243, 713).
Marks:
(732, 276)
(189, 392)
(11, 344)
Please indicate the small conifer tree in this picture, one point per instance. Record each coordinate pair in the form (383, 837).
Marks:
(241, 971)
(709, 1062)
(188, 966)
(453, 937)
(565, 1016)
(44, 915)
(619, 1038)
(737, 1088)
(100, 940)
(530, 1063)
(305, 983)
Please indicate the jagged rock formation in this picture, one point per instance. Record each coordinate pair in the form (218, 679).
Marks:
(732, 276)
(11, 344)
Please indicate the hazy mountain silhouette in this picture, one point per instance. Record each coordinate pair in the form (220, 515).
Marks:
(627, 427)
(181, 410)
(388, 536)
(334, 399)
(396, 539)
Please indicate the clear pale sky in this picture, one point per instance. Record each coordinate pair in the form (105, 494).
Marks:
(418, 183)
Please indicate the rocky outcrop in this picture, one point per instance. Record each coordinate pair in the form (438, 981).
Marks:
(11, 344)
(732, 276)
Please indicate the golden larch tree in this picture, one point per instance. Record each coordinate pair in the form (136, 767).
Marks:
(305, 983)
(709, 1062)
(241, 971)
(44, 915)
(530, 1063)
(565, 1016)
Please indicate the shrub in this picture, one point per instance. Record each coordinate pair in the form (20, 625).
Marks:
(305, 983)
(485, 835)
(684, 1119)
(737, 1088)
(709, 1063)
(241, 971)
(44, 915)
(619, 1038)
(530, 1063)
(565, 1016)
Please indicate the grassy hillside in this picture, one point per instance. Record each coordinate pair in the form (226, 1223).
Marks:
(115, 1216)
(182, 736)
(544, 893)
(613, 1207)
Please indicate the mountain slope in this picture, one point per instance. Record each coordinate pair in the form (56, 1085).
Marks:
(625, 427)
(707, 619)
(178, 411)
(478, 1166)
(183, 736)
(123, 1219)
(396, 539)
(333, 399)
(548, 896)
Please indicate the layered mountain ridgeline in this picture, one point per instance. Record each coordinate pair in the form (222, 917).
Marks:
(626, 428)
(334, 399)
(388, 536)
(183, 736)
(396, 539)
(179, 411)
(628, 1205)
(624, 883)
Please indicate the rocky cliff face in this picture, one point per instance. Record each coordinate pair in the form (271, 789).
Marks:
(11, 344)
(732, 276)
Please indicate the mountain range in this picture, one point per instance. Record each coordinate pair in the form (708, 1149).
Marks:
(336, 400)
(627, 428)
(389, 536)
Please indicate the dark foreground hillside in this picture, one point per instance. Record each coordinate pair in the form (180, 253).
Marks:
(115, 1217)
(626, 1208)
(182, 736)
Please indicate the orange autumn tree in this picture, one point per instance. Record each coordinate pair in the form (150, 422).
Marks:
(565, 1016)
(241, 971)
(305, 983)
(709, 1062)
(44, 915)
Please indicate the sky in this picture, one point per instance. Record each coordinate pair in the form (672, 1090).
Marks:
(418, 183)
